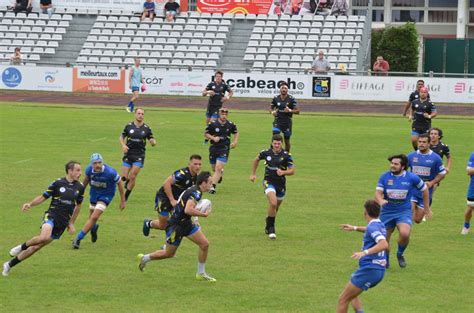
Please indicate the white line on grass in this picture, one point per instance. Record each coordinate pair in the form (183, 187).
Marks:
(23, 161)
(98, 139)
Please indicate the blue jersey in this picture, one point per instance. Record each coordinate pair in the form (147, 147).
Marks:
(102, 183)
(137, 76)
(375, 232)
(149, 6)
(426, 166)
(398, 190)
(470, 165)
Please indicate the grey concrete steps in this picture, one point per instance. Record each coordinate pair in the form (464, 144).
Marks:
(70, 47)
(236, 45)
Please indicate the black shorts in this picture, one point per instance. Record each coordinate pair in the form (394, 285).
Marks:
(59, 225)
(130, 160)
(212, 112)
(282, 128)
(419, 129)
(45, 2)
(176, 231)
(218, 155)
(163, 205)
(277, 186)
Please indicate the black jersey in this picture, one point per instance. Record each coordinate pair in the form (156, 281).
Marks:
(419, 108)
(135, 138)
(441, 149)
(279, 104)
(182, 180)
(215, 101)
(179, 216)
(274, 161)
(223, 131)
(65, 196)
(415, 95)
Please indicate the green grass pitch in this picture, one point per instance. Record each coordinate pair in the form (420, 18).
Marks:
(338, 161)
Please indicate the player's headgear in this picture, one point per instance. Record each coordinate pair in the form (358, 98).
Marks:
(96, 157)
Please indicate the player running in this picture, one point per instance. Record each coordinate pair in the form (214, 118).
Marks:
(278, 165)
(66, 194)
(470, 196)
(216, 91)
(180, 225)
(133, 142)
(282, 108)
(429, 167)
(439, 147)
(394, 191)
(135, 80)
(372, 259)
(423, 111)
(167, 196)
(219, 133)
(103, 180)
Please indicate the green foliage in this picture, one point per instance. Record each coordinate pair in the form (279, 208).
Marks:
(398, 45)
(338, 161)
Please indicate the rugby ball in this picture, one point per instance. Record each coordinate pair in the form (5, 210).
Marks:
(204, 205)
(144, 87)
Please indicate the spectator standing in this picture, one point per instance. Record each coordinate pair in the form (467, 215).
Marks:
(381, 67)
(17, 57)
(23, 6)
(171, 10)
(321, 65)
(148, 10)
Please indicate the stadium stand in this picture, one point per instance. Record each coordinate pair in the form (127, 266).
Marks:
(36, 34)
(114, 38)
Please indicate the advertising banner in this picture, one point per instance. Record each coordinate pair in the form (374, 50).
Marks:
(235, 6)
(379, 88)
(36, 78)
(98, 80)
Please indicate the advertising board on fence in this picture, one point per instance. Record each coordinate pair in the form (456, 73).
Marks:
(378, 88)
(235, 6)
(255, 85)
(36, 78)
(98, 80)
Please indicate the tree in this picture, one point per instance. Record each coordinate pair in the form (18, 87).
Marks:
(399, 46)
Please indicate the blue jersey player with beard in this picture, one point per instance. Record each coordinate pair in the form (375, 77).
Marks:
(429, 167)
(394, 191)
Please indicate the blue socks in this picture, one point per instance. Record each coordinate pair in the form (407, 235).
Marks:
(81, 235)
(131, 105)
(467, 225)
(401, 250)
(94, 228)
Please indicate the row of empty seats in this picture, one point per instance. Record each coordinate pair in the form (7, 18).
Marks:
(100, 26)
(33, 36)
(284, 66)
(94, 60)
(20, 17)
(5, 57)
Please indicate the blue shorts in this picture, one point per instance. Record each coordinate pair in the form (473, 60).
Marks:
(391, 220)
(365, 278)
(135, 88)
(102, 198)
(418, 198)
(286, 131)
(277, 189)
